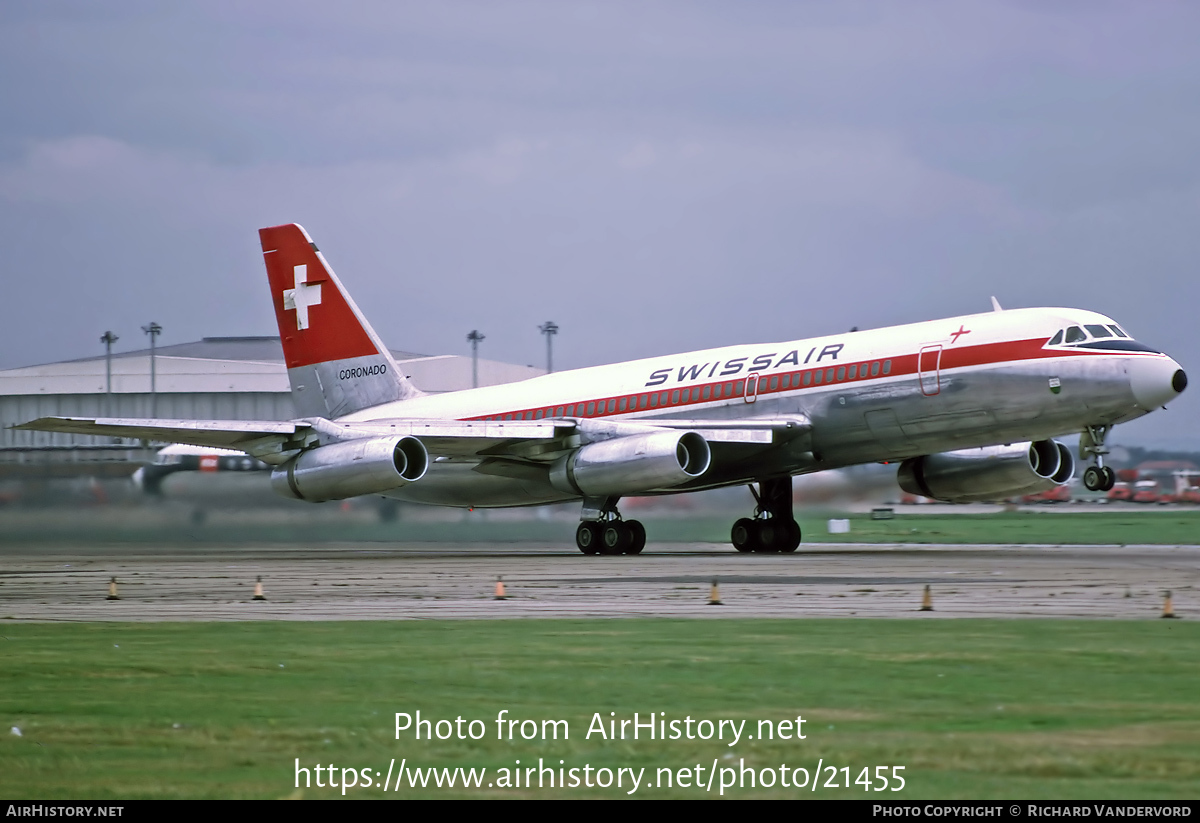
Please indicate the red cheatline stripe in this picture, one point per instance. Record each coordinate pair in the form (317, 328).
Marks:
(986, 354)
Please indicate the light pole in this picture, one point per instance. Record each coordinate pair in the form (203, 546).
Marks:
(475, 338)
(549, 328)
(108, 338)
(154, 330)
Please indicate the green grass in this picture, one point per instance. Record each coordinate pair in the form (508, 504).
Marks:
(1174, 527)
(971, 708)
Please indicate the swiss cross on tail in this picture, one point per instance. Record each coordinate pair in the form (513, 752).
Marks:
(301, 297)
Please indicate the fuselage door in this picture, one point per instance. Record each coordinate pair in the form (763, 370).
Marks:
(751, 389)
(929, 364)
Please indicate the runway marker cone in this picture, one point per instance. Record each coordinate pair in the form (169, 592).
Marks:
(1168, 608)
(927, 600)
(112, 590)
(258, 590)
(714, 597)
(500, 595)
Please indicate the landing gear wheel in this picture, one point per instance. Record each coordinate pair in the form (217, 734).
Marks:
(771, 536)
(1094, 479)
(637, 533)
(744, 535)
(587, 538)
(793, 538)
(615, 538)
(1110, 478)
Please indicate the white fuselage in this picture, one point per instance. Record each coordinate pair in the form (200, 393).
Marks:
(879, 395)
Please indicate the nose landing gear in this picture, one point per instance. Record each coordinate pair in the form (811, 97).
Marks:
(1099, 477)
(609, 533)
(772, 529)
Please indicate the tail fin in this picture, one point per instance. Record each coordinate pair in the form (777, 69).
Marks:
(336, 363)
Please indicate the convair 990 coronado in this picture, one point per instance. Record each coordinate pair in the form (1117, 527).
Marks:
(967, 406)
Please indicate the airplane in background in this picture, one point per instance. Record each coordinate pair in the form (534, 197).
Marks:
(968, 407)
(182, 458)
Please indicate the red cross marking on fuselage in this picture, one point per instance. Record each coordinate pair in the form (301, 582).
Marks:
(961, 331)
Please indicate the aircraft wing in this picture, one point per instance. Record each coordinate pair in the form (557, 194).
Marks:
(224, 434)
(528, 439)
(760, 430)
(275, 441)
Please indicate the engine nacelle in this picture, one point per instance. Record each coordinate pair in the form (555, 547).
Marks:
(990, 473)
(632, 464)
(340, 470)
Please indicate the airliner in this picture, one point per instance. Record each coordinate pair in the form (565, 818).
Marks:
(967, 406)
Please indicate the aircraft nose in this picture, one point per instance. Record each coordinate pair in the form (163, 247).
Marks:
(1155, 381)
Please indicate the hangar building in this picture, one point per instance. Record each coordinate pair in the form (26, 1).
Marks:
(224, 378)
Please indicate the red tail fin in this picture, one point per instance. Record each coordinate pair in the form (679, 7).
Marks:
(336, 362)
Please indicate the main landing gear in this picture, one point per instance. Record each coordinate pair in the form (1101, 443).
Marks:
(1097, 478)
(772, 529)
(610, 534)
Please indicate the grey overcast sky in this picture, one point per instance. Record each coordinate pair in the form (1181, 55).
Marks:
(653, 176)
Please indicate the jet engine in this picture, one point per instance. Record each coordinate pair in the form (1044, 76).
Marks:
(632, 464)
(990, 473)
(340, 470)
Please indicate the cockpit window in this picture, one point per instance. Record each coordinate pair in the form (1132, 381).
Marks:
(1075, 335)
(1056, 339)
(1117, 331)
(1099, 331)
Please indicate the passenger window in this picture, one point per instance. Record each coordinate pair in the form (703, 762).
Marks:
(852, 372)
(887, 366)
(662, 398)
(508, 417)
(623, 405)
(707, 393)
(643, 401)
(571, 410)
(612, 405)
(1075, 334)
(829, 375)
(591, 408)
(818, 376)
(1056, 339)
(729, 390)
(1098, 331)
(841, 373)
(737, 388)
(654, 400)
(875, 369)
(538, 414)
(807, 378)
(774, 383)
(558, 412)
(675, 397)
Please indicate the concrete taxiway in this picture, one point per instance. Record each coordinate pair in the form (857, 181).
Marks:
(669, 580)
